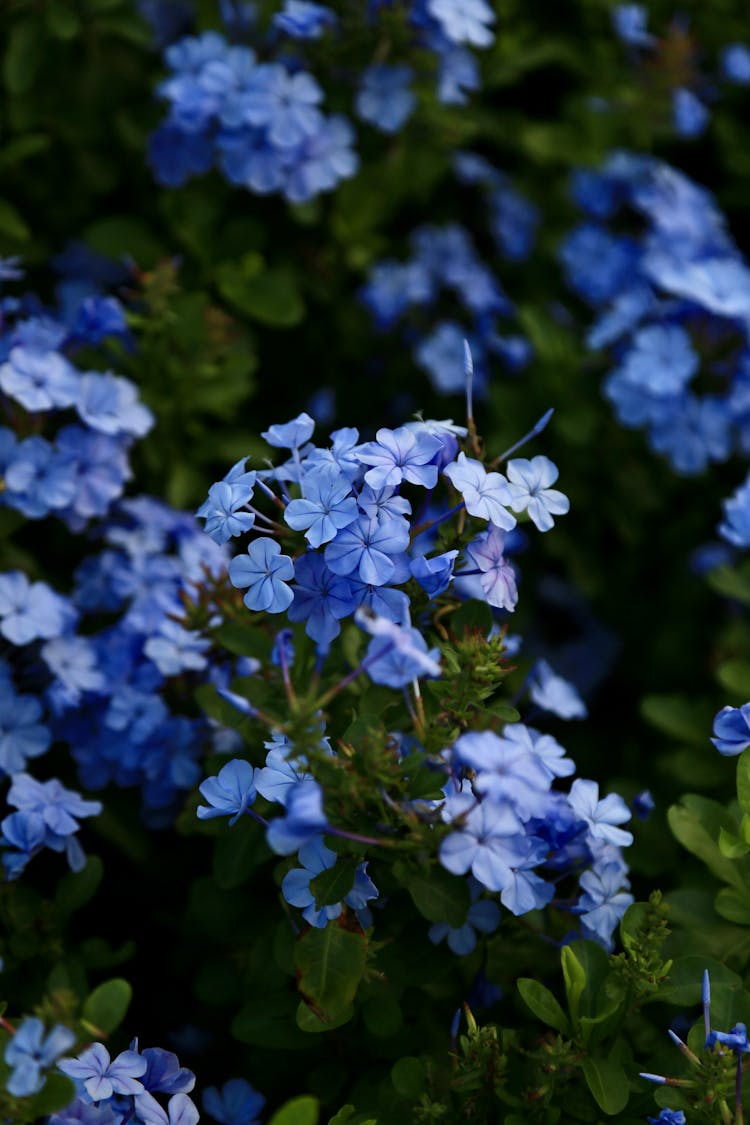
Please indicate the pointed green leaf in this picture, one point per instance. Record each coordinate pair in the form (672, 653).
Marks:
(575, 980)
(543, 1004)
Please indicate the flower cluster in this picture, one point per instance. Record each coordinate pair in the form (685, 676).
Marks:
(672, 303)
(65, 450)
(445, 260)
(127, 1085)
(498, 822)
(257, 114)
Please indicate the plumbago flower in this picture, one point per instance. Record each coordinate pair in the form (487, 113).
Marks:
(358, 565)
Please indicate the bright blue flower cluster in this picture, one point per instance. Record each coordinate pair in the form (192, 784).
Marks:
(82, 424)
(445, 260)
(256, 113)
(358, 555)
(672, 301)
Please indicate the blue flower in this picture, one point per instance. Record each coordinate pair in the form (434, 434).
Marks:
(486, 495)
(265, 571)
(102, 1077)
(735, 526)
(689, 114)
(315, 858)
(181, 1110)
(327, 507)
(497, 579)
(464, 21)
(230, 793)
(735, 63)
(284, 103)
(237, 1103)
(529, 485)
(669, 1117)
(434, 575)
(290, 435)
(604, 901)
(385, 98)
(483, 915)
(304, 818)
(554, 694)
(321, 598)
(630, 22)
(59, 809)
(302, 19)
(29, 1053)
(732, 730)
(30, 611)
(39, 380)
(366, 547)
(400, 455)
(222, 514)
(281, 772)
(399, 655)
(484, 844)
(175, 650)
(600, 816)
(164, 1075)
(21, 735)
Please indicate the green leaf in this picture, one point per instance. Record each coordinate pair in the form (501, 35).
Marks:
(57, 1093)
(574, 975)
(75, 889)
(682, 718)
(268, 1022)
(696, 823)
(409, 1077)
(312, 1024)
(119, 235)
(271, 296)
(330, 963)
(734, 675)
(106, 1006)
(243, 640)
(743, 781)
(11, 223)
(237, 852)
(333, 884)
(543, 1004)
(23, 56)
(382, 1015)
(299, 1111)
(608, 1083)
(732, 906)
(438, 896)
(686, 976)
(731, 846)
(732, 582)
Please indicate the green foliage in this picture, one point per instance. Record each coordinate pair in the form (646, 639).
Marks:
(104, 1010)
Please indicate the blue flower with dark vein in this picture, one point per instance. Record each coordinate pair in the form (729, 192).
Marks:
(304, 819)
(101, 1076)
(400, 455)
(321, 598)
(290, 435)
(326, 507)
(265, 571)
(366, 549)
